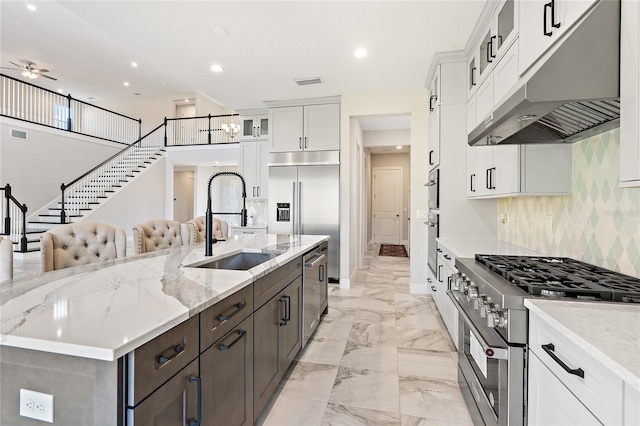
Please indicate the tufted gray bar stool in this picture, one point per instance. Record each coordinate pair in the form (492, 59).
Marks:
(6, 259)
(81, 243)
(220, 228)
(160, 234)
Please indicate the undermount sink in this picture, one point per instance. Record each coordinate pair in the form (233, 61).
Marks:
(242, 261)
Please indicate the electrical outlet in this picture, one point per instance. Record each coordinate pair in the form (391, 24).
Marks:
(36, 405)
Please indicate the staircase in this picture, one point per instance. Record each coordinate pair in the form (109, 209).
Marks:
(91, 191)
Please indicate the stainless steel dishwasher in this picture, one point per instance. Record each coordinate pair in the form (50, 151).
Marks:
(314, 289)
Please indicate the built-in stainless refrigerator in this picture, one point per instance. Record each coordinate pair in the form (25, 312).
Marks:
(304, 198)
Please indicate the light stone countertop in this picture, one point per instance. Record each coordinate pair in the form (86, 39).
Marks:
(469, 247)
(610, 332)
(105, 310)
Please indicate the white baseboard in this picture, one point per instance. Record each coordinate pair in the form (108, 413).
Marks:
(345, 283)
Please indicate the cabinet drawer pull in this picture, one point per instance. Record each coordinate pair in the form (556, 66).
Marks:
(473, 81)
(321, 272)
(433, 288)
(440, 273)
(258, 190)
(259, 131)
(198, 420)
(446, 256)
(305, 141)
(491, 47)
(549, 348)
(473, 175)
(544, 19)
(283, 321)
(300, 143)
(430, 159)
(240, 333)
(175, 351)
(222, 318)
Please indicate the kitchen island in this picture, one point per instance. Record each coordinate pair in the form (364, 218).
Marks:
(70, 332)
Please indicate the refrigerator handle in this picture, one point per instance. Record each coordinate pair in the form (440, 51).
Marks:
(299, 208)
(294, 206)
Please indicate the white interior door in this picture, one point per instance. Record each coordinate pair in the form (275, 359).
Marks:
(183, 196)
(387, 204)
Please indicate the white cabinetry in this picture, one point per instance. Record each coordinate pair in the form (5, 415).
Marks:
(448, 311)
(254, 127)
(566, 384)
(252, 165)
(501, 78)
(550, 402)
(542, 23)
(305, 128)
(630, 94)
(507, 170)
(445, 90)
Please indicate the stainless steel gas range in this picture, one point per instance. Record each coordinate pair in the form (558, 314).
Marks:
(489, 293)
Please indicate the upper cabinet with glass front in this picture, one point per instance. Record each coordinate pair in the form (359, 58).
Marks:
(254, 127)
(499, 32)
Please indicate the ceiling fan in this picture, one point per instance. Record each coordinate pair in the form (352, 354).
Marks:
(29, 70)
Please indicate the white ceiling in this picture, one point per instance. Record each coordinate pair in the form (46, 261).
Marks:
(89, 45)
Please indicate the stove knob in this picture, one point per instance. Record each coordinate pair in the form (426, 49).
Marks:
(486, 307)
(479, 301)
(472, 292)
(492, 318)
(466, 284)
(497, 318)
(456, 280)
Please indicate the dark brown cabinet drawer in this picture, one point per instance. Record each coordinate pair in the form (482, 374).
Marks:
(156, 361)
(175, 403)
(270, 285)
(227, 378)
(217, 320)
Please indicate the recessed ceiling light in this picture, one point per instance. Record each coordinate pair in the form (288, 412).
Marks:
(134, 64)
(398, 147)
(163, 84)
(186, 100)
(137, 94)
(216, 68)
(221, 31)
(31, 7)
(360, 53)
(126, 83)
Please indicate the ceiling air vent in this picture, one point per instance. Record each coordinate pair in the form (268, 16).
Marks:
(308, 80)
(18, 134)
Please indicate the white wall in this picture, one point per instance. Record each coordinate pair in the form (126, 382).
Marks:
(411, 101)
(152, 110)
(37, 167)
(141, 200)
(387, 137)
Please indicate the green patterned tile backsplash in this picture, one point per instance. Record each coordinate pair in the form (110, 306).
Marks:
(598, 224)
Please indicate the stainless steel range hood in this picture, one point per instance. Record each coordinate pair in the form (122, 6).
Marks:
(573, 94)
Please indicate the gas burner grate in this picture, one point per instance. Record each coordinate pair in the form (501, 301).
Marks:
(564, 276)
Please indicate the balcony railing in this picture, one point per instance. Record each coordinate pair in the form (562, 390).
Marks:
(14, 219)
(27, 102)
(207, 130)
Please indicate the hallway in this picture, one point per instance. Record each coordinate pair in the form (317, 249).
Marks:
(381, 356)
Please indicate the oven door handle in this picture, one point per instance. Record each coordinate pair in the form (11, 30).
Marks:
(490, 351)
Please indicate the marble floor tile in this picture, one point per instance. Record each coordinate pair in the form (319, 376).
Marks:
(347, 292)
(376, 390)
(381, 292)
(422, 321)
(343, 415)
(289, 410)
(418, 338)
(414, 306)
(334, 328)
(419, 421)
(373, 357)
(344, 301)
(376, 304)
(323, 351)
(370, 316)
(432, 399)
(366, 334)
(311, 380)
(337, 313)
(425, 363)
